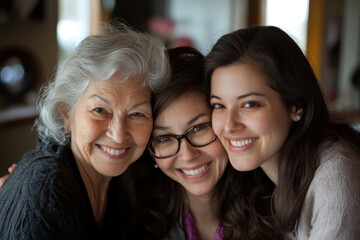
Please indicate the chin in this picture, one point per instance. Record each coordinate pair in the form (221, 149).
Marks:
(112, 171)
(242, 166)
(201, 190)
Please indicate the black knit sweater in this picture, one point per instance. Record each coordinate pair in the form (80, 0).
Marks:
(45, 198)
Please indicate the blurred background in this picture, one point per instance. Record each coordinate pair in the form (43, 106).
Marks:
(36, 34)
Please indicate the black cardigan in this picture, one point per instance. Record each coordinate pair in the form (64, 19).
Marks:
(45, 198)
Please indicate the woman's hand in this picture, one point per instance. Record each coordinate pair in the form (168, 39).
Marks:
(6, 176)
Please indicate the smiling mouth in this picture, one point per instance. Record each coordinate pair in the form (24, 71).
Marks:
(242, 143)
(194, 172)
(113, 152)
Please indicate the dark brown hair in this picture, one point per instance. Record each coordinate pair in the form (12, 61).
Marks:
(235, 194)
(291, 75)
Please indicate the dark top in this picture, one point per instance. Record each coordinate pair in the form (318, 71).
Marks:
(45, 198)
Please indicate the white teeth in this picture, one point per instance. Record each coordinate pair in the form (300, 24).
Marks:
(112, 151)
(195, 171)
(242, 142)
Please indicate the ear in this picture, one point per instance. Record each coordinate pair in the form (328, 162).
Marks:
(296, 113)
(65, 114)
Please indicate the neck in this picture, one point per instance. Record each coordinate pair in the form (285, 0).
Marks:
(270, 167)
(97, 187)
(204, 209)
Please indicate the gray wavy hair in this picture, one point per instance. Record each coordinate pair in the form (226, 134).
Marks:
(118, 49)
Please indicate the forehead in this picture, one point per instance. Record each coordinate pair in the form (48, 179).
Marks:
(185, 107)
(117, 86)
(243, 75)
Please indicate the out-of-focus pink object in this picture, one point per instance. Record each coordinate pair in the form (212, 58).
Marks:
(161, 25)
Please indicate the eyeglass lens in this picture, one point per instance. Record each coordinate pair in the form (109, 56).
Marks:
(169, 145)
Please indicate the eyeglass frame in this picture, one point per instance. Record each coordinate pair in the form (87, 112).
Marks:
(179, 138)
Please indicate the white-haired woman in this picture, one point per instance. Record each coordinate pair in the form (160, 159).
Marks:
(95, 120)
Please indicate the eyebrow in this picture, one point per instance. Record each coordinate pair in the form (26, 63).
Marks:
(100, 97)
(240, 96)
(188, 123)
(140, 103)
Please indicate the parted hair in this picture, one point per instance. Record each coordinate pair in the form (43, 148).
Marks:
(289, 73)
(119, 49)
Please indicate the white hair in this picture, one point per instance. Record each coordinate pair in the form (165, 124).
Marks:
(119, 49)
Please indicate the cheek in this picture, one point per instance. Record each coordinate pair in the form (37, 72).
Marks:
(90, 130)
(273, 125)
(219, 152)
(84, 130)
(217, 123)
(164, 164)
(261, 124)
(142, 133)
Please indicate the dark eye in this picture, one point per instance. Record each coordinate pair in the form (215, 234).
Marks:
(217, 106)
(137, 114)
(162, 139)
(99, 110)
(251, 105)
(199, 128)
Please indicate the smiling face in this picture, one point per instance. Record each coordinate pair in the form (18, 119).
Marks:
(197, 169)
(248, 116)
(110, 125)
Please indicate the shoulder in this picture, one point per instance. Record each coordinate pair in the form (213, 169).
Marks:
(40, 171)
(339, 163)
(42, 189)
(333, 195)
(338, 172)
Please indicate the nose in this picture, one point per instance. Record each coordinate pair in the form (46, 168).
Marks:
(233, 121)
(118, 130)
(187, 152)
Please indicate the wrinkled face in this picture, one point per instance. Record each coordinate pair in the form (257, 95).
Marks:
(197, 169)
(248, 116)
(111, 125)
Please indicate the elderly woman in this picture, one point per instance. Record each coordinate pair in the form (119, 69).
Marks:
(95, 120)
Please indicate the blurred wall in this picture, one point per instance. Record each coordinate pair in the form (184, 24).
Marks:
(38, 37)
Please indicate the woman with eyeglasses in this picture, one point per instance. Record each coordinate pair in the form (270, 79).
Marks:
(191, 191)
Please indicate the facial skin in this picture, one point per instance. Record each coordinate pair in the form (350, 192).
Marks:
(176, 119)
(249, 117)
(110, 126)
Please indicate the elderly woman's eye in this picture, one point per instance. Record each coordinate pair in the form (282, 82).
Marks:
(99, 110)
(137, 114)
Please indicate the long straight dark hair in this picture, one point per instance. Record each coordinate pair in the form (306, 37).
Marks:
(290, 74)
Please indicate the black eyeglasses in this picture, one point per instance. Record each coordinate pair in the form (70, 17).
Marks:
(165, 146)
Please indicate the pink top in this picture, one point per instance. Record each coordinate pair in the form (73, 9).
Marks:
(190, 229)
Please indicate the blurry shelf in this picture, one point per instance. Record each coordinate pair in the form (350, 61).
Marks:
(15, 113)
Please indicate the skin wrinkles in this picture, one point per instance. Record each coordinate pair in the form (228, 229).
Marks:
(110, 128)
